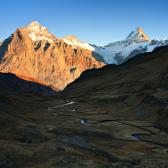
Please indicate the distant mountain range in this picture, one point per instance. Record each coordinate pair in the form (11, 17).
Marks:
(32, 53)
(135, 43)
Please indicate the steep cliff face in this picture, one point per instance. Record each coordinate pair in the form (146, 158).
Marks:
(34, 54)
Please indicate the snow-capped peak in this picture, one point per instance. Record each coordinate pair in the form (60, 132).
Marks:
(39, 32)
(36, 27)
(137, 36)
(136, 42)
(73, 40)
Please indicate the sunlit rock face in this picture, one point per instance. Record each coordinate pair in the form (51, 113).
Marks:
(34, 54)
(137, 36)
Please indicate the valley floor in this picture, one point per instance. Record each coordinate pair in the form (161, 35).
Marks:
(40, 132)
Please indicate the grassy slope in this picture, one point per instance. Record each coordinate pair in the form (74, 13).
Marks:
(125, 108)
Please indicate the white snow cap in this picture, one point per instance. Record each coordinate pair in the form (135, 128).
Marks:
(39, 32)
(72, 40)
(33, 36)
(36, 27)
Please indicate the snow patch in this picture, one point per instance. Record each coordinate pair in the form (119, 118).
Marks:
(34, 37)
(71, 40)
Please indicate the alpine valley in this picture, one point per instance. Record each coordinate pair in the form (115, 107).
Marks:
(65, 103)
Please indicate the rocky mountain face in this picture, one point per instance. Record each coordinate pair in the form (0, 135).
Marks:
(34, 54)
(137, 36)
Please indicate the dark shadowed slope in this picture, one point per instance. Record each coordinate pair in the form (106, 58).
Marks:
(114, 117)
(138, 83)
(148, 68)
(10, 83)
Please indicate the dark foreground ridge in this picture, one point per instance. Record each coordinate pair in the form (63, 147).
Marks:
(114, 117)
(12, 84)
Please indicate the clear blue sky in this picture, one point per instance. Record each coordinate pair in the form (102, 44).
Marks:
(95, 21)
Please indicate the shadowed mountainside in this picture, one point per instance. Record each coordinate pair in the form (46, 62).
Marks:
(143, 77)
(10, 83)
(113, 117)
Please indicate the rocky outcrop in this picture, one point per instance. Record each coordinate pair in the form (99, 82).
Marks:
(34, 54)
(137, 36)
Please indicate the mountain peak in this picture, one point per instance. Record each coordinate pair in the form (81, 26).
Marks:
(137, 35)
(36, 27)
(139, 30)
(37, 32)
(37, 55)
